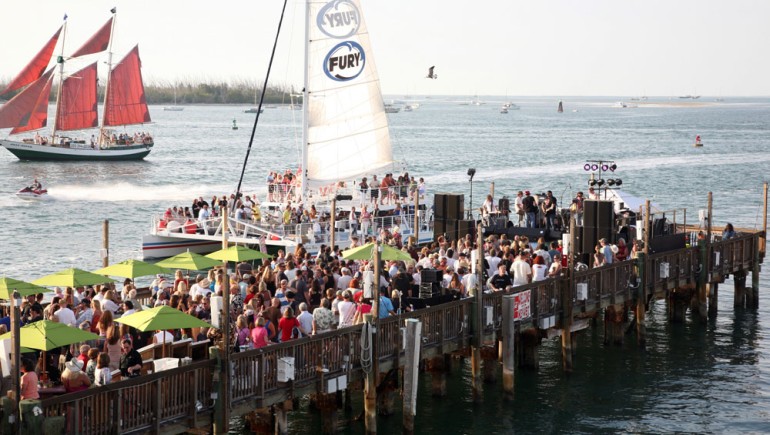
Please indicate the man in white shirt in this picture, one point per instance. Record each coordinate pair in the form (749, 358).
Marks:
(204, 215)
(66, 316)
(344, 280)
(493, 260)
(305, 320)
(521, 270)
(128, 308)
(609, 256)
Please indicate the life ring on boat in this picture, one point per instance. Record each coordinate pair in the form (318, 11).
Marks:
(190, 227)
(162, 224)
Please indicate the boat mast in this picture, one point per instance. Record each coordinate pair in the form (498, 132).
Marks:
(60, 61)
(101, 139)
(305, 109)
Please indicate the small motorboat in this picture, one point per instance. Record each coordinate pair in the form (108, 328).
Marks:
(30, 193)
(698, 142)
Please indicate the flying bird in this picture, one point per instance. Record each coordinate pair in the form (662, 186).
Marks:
(430, 73)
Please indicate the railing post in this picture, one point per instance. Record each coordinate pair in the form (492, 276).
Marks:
(333, 223)
(411, 371)
(158, 406)
(416, 227)
(703, 277)
(641, 298)
(370, 383)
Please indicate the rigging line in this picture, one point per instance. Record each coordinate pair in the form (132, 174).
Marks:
(259, 108)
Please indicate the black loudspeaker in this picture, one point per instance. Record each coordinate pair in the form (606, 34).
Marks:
(439, 204)
(590, 240)
(504, 205)
(344, 197)
(532, 233)
(589, 212)
(465, 227)
(455, 206)
(439, 228)
(605, 214)
(451, 228)
(431, 275)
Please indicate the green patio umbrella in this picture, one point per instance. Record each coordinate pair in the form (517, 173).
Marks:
(72, 278)
(46, 335)
(8, 285)
(238, 253)
(161, 318)
(131, 269)
(366, 252)
(188, 261)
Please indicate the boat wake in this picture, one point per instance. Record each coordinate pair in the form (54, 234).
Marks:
(120, 192)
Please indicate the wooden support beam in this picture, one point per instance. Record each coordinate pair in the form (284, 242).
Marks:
(739, 285)
(641, 300)
(508, 342)
(411, 371)
(530, 339)
(370, 384)
(713, 292)
(614, 332)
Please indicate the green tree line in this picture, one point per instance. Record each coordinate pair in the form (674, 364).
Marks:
(159, 92)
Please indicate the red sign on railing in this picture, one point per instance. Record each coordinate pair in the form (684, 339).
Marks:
(521, 304)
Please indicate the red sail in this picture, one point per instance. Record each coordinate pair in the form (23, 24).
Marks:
(18, 112)
(126, 102)
(36, 66)
(77, 105)
(38, 118)
(98, 42)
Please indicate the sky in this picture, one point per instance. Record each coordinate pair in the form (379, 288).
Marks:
(497, 47)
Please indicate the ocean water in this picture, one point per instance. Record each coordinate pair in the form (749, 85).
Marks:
(689, 378)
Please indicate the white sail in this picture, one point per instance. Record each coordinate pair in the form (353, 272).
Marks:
(346, 132)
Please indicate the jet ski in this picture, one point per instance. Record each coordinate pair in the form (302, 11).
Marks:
(30, 193)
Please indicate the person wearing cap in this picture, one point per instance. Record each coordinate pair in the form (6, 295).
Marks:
(84, 312)
(73, 378)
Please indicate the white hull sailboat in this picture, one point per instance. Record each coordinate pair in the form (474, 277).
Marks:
(76, 105)
(343, 115)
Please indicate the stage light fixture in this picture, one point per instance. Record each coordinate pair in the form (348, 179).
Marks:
(613, 167)
(594, 167)
(605, 167)
(618, 182)
(586, 167)
(600, 182)
(592, 183)
(610, 182)
(471, 172)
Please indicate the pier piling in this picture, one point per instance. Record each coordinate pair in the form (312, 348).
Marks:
(508, 342)
(411, 370)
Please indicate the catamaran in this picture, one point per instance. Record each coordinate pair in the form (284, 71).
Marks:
(76, 105)
(345, 139)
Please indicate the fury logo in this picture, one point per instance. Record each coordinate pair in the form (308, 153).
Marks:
(339, 19)
(345, 61)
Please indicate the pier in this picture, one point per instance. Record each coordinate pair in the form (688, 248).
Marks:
(489, 328)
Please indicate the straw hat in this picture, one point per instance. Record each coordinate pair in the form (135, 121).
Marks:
(74, 365)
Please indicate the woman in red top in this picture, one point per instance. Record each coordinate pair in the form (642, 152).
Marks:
(622, 253)
(287, 324)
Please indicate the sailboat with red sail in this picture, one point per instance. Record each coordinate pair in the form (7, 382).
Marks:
(76, 105)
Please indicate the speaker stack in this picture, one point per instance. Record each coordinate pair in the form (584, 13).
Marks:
(449, 209)
(598, 223)
(430, 283)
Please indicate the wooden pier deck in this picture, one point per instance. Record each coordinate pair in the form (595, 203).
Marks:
(185, 399)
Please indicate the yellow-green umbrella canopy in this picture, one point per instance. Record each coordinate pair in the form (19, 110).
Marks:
(46, 335)
(189, 261)
(161, 318)
(131, 269)
(238, 253)
(72, 277)
(366, 252)
(8, 285)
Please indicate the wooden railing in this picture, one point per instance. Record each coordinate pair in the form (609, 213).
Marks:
(149, 402)
(137, 405)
